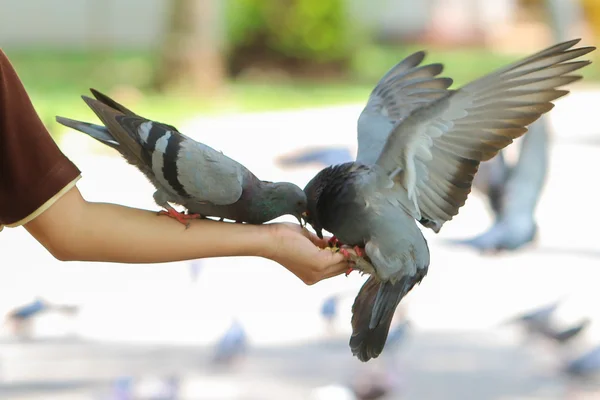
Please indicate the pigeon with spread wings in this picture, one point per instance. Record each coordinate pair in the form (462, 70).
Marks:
(420, 144)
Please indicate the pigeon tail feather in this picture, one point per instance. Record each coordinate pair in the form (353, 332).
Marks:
(100, 133)
(373, 311)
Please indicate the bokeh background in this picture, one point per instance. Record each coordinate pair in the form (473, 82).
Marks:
(262, 79)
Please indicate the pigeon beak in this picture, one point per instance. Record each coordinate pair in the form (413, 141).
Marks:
(300, 221)
(306, 218)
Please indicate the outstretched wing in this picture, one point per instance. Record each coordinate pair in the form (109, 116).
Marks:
(404, 88)
(435, 151)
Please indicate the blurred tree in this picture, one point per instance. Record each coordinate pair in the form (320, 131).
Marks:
(191, 56)
(591, 10)
(299, 36)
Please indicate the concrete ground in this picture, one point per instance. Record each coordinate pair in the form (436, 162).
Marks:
(148, 320)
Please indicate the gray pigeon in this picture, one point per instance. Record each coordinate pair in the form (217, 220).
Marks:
(204, 181)
(566, 335)
(514, 194)
(419, 146)
(532, 319)
(586, 365)
(232, 346)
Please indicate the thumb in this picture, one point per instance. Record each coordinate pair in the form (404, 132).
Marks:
(326, 256)
(322, 243)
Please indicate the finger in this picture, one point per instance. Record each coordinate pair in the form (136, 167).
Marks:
(328, 257)
(322, 243)
(335, 270)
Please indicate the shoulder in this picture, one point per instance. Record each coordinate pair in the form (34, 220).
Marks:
(4, 61)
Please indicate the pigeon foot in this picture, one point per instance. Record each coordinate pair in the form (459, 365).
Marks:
(334, 242)
(180, 217)
(349, 257)
(360, 251)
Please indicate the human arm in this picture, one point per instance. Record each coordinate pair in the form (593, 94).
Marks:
(37, 190)
(75, 229)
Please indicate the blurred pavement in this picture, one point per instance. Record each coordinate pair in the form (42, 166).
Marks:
(456, 350)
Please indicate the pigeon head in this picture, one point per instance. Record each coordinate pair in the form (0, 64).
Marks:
(313, 191)
(286, 198)
(324, 190)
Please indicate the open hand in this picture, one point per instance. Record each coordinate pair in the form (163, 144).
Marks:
(303, 253)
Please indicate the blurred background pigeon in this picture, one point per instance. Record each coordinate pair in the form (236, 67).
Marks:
(319, 157)
(232, 346)
(562, 336)
(384, 377)
(586, 365)
(144, 388)
(397, 335)
(29, 310)
(513, 193)
(20, 319)
(157, 388)
(121, 389)
(532, 320)
(329, 310)
(377, 381)
(195, 268)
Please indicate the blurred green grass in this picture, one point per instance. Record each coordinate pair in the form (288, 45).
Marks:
(55, 81)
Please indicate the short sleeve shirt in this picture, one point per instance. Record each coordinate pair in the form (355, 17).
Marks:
(34, 173)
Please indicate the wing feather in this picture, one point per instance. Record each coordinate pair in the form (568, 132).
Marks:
(435, 151)
(404, 88)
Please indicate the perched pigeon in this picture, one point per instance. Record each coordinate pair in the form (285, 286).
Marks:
(205, 181)
(419, 146)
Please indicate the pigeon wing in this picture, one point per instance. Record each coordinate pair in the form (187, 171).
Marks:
(435, 151)
(405, 87)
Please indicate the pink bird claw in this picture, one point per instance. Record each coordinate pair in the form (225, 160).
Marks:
(333, 242)
(360, 251)
(348, 256)
(180, 217)
(345, 253)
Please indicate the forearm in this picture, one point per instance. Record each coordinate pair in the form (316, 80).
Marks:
(73, 229)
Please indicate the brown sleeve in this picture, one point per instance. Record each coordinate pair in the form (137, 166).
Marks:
(33, 170)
